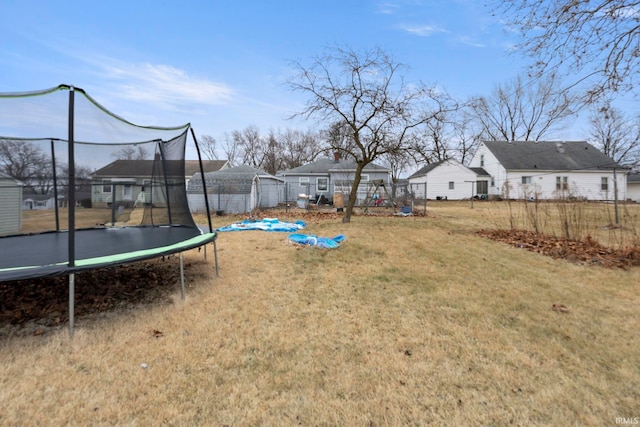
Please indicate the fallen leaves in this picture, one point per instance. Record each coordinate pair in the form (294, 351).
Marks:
(583, 252)
(33, 306)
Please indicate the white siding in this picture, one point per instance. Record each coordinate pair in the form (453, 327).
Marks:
(484, 158)
(582, 184)
(633, 191)
(10, 206)
(443, 177)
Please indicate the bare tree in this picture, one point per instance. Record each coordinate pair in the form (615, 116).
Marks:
(273, 158)
(208, 146)
(398, 162)
(467, 135)
(298, 147)
(364, 92)
(433, 142)
(523, 111)
(250, 146)
(25, 161)
(231, 149)
(617, 136)
(597, 40)
(131, 152)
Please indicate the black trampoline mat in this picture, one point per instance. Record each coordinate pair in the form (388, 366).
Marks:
(46, 254)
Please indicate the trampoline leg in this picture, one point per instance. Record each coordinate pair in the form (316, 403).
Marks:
(215, 255)
(72, 283)
(181, 276)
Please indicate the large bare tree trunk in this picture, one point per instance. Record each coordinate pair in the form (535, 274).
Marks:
(353, 195)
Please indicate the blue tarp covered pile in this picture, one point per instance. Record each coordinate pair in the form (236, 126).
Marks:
(313, 240)
(266, 224)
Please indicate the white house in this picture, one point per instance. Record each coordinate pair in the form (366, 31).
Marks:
(38, 201)
(449, 179)
(131, 181)
(633, 187)
(10, 204)
(550, 170)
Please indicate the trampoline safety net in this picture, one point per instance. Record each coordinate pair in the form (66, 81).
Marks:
(67, 163)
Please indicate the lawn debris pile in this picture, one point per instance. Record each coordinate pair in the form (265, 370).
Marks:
(31, 307)
(588, 252)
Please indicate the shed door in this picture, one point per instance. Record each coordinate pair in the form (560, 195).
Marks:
(482, 187)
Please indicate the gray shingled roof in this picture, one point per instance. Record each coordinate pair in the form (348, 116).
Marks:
(324, 165)
(428, 168)
(633, 177)
(130, 168)
(235, 180)
(550, 155)
(6, 177)
(480, 171)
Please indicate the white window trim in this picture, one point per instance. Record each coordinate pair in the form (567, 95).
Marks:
(106, 183)
(325, 185)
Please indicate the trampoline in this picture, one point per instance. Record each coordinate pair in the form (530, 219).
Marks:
(46, 254)
(60, 144)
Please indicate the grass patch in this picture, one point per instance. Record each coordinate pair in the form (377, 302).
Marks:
(412, 321)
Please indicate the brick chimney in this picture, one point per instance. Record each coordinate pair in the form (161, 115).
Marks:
(336, 156)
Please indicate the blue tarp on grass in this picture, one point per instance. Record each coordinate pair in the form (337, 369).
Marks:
(313, 240)
(266, 224)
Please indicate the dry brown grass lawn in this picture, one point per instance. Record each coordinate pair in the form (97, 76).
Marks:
(412, 321)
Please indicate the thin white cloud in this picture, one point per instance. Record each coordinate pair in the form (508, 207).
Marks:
(387, 8)
(469, 41)
(422, 30)
(167, 84)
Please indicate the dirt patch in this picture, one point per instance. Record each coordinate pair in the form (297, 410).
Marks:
(33, 307)
(587, 252)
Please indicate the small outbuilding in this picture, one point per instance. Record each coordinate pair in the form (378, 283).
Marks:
(240, 189)
(633, 187)
(10, 205)
(449, 180)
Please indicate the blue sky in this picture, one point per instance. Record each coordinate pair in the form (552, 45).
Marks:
(222, 66)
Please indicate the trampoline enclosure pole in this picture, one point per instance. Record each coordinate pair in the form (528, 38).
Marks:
(55, 185)
(72, 182)
(204, 184)
(71, 210)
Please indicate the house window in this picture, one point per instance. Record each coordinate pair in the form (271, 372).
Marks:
(604, 183)
(562, 183)
(481, 160)
(526, 180)
(493, 182)
(303, 181)
(126, 192)
(322, 184)
(106, 186)
(364, 178)
(451, 185)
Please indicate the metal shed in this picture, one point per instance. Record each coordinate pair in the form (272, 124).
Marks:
(10, 204)
(240, 189)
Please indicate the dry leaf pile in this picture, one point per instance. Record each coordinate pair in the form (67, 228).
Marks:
(584, 252)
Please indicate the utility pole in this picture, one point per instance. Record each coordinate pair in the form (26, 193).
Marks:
(472, 185)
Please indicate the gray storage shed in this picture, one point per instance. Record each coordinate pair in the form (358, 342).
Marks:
(240, 189)
(10, 205)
